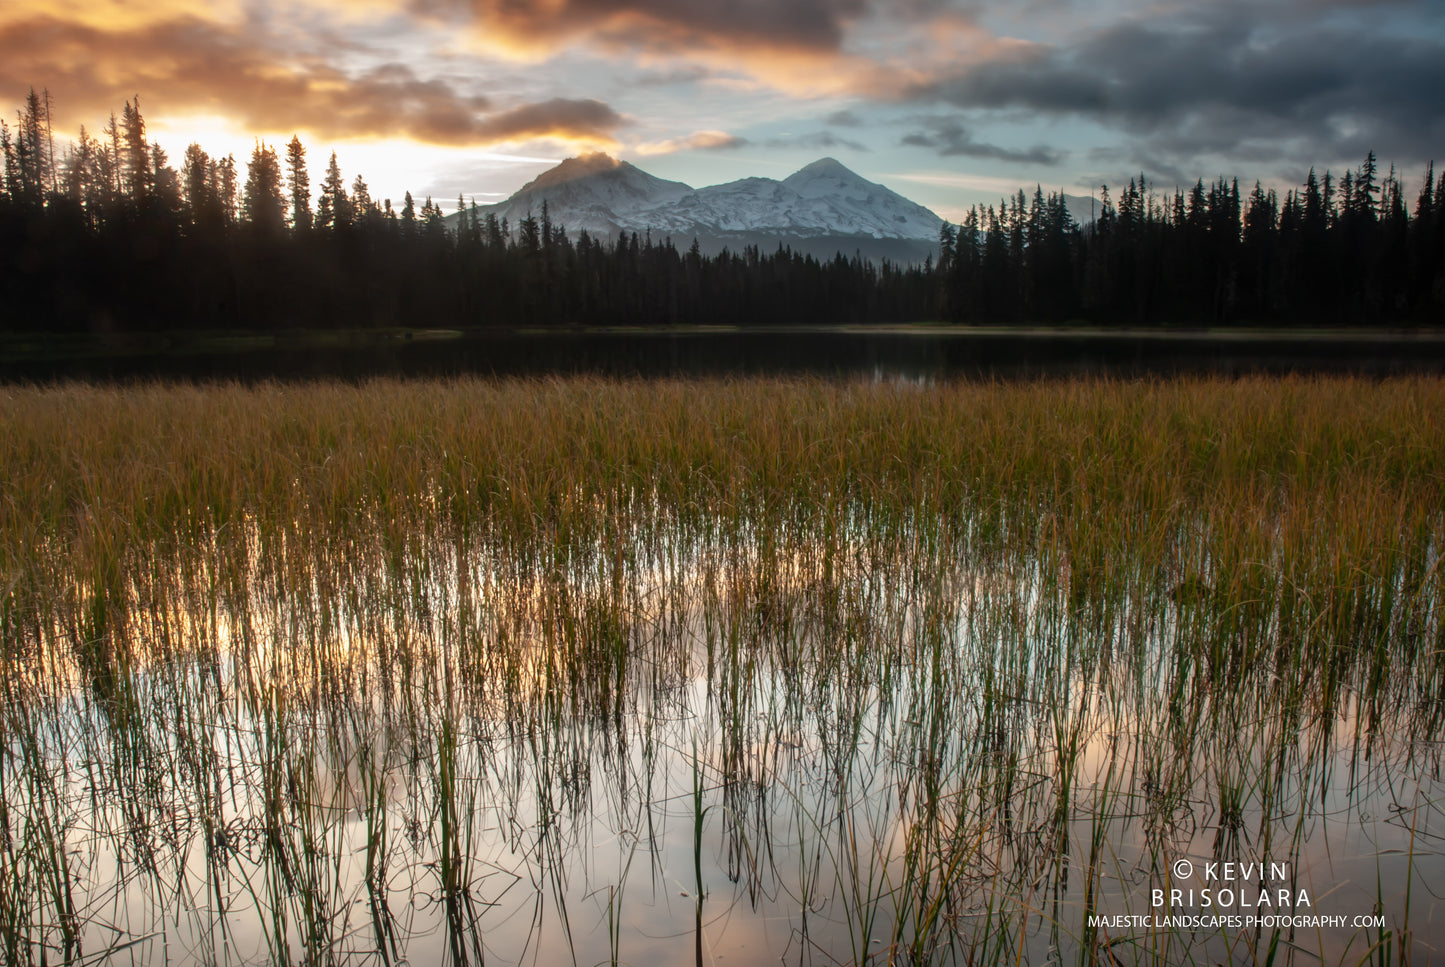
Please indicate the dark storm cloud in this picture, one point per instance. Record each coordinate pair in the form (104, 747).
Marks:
(236, 70)
(951, 139)
(1229, 78)
(1129, 164)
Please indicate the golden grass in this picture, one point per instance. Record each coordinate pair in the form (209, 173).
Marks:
(160, 459)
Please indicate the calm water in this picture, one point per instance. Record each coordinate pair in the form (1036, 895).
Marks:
(882, 353)
(698, 744)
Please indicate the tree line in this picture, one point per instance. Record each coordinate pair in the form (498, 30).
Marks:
(110, 236)
(1332, 252)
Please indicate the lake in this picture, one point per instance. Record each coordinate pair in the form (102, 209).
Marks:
(906, 352)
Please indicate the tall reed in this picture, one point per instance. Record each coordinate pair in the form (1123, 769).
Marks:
(964, 664)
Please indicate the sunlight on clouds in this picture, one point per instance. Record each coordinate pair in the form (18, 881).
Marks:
(570, 144)
(186, 68)
(390, 166)
(511, 49)
(206, 128)
(812, 62)
(697, 141)
(120, 14)
(950, 41)
(357, 11)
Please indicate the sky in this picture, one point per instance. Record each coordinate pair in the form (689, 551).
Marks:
(948, 103)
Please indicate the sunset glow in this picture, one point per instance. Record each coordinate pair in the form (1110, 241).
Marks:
(956, 103)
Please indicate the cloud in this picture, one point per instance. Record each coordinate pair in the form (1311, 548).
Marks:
(121, 14)
(1267, 79)
(950, 138)
(660, 25)
(1004, 184)
(190, 65)
(697, 141)
(816, 141)
(1129, 162)
(809, 48)
(671, 77)
(844, 119)
(558, 117)
(308, 51)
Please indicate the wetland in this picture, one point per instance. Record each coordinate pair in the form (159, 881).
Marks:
(585, 670)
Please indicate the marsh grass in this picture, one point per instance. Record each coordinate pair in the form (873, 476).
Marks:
(921, 674)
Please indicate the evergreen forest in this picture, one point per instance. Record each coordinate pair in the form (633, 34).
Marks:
(111, 235)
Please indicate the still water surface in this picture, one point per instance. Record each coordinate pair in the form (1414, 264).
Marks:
(701, 744)
(903, 352)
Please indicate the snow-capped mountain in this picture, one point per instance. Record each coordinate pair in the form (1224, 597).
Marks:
(863, 207)
(594, 192)
(821, 209)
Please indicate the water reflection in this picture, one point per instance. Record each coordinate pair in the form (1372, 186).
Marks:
(854, 743)
(903, 353)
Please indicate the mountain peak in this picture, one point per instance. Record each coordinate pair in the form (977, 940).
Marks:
(821, 202)
(824, 166)
(828, 177)
(573, 168)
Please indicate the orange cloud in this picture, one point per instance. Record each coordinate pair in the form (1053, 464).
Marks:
(120, 14)
(698, 140)
(191, 65)
(806, 48)
(796, 46)
(662, 25)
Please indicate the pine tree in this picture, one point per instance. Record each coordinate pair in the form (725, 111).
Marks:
(298, 183)
(78, 181)
(226, 188)
(197, 184)
(50, 144)
(362, 207)
(947, 237)
(263, 204)
(1315, 218)
(111, 159)
(134, 154)
(475, 224)
(333, 208)
(165, 183)
(1366, 187)
(7, 157)
(530, 238)
(33, 173)
(408, 216)
(1425, 204)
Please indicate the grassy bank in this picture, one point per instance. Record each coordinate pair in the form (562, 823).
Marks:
(152, 460)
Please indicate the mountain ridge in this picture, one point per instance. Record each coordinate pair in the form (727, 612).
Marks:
(822, 209)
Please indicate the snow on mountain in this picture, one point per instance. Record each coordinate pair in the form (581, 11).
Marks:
(594, 192)
(760, 205)
(864, 207)
(824, 205)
